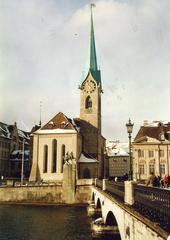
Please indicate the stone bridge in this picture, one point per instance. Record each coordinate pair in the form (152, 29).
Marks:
(131, 224)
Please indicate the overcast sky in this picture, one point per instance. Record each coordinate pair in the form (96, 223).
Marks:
(44, 49)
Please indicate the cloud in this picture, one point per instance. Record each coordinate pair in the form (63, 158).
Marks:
(44, 51)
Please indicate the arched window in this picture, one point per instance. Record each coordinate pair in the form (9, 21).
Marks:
(88, 103)
(54, 155)
(86, 173)
(45, 165)
(63, 153)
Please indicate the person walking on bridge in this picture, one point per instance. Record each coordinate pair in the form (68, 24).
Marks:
(152, 180)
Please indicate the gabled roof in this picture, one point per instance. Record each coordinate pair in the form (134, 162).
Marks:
(59, 121)
(159, 133)
(7, 130)
(58, 124)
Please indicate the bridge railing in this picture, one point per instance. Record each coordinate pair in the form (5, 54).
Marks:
(99, 183)
(154, 202)
(116, 189)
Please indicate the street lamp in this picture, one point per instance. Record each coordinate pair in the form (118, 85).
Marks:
(129, 126)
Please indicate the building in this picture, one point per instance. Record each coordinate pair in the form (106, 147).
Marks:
(118, 159)
(5, 147)
(79, 138)
(11, 144)
(151, 150)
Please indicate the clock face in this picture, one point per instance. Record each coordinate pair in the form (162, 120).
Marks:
(89, 86)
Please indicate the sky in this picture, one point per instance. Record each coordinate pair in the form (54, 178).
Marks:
(44, 50)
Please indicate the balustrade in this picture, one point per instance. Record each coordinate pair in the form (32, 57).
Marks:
(99, 183)
(117, 189)
(151, 202)
(154, 203)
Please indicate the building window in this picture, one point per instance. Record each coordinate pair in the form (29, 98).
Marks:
(54, 155)
(162, 169)
(141, 169)
(45, 165)
(151, 153)
(63, 153)
(151, 168)
(161, 153)
(88, 103)
(140, 153)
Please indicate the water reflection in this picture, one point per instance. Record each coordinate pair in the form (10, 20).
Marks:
(45, 223)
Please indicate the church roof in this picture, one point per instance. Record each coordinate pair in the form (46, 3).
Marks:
(83, 125)
(58, 124)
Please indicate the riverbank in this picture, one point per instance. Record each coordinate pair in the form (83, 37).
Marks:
(45, 194)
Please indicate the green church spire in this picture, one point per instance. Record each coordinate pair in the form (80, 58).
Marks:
(93, 69)
(93, 58)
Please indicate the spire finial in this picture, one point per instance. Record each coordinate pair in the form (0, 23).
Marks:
(40, 113)
(91, 6)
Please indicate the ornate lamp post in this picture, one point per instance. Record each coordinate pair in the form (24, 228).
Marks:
(129, 126)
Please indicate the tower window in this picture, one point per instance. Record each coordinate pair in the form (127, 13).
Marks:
(88, 102)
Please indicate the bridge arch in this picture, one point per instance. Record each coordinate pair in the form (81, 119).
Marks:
(98, 205)
(114, 212)
(111, 214)
(93, 197)
(110, 219)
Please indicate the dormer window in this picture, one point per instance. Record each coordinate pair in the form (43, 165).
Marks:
(88, 103)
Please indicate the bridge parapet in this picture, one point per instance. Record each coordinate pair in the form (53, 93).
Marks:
(99, 183)
(152, 202)
(131, 224)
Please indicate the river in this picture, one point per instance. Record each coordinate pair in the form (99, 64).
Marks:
(23, 222)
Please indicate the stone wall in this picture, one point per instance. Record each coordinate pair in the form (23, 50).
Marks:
(83, 191)
(48, 194)
(44, 194)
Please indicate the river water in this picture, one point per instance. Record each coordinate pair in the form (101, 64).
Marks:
(45, 223)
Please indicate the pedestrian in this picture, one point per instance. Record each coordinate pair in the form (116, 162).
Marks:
(152, 180)
(168, 180)
(161, 183)
(165, 180)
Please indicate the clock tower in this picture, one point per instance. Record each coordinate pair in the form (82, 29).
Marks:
(91, 89)
(90, 115)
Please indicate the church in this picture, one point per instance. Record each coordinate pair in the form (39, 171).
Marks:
(78, 138)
